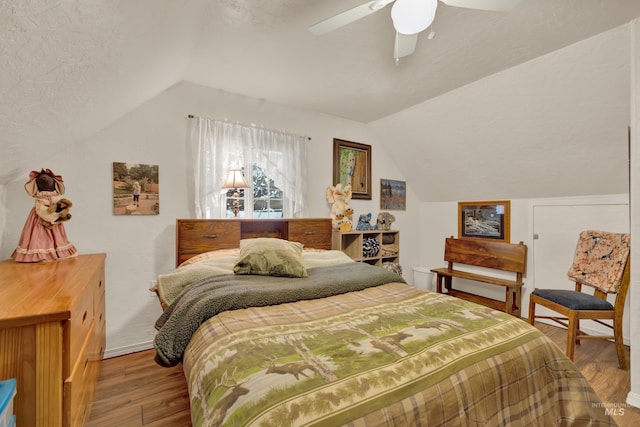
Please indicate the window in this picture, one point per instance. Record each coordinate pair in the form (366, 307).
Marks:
(268, 200)
(275, 159)
(263, 200)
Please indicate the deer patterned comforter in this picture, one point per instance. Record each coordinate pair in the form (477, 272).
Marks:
(209, 296)
(387, 355)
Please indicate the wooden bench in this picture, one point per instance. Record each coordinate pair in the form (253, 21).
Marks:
(488, 254)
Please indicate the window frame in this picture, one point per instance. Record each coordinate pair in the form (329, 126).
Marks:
(247, 199)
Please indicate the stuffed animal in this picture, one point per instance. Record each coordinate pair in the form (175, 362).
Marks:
(393, 266)
(364, 223)
(384, 220)
(347, 220)
(341, 213)
(62, 209)
(58, 211)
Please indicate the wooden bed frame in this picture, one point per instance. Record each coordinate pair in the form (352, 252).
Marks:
(196, 236)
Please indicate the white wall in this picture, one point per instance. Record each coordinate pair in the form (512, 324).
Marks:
(140, 247)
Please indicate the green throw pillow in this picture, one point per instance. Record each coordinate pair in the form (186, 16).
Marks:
(270, 257)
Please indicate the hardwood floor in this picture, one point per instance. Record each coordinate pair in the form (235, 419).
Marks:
(134, 391)
(598, 362)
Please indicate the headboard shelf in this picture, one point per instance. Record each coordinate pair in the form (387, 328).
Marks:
(263, 228)
(195, 236)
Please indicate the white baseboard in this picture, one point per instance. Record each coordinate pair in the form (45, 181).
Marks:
(134, 348)
(633, 399)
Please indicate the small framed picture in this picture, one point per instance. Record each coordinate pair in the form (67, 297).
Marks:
(136, 189)
(485, 220)
(393, 194)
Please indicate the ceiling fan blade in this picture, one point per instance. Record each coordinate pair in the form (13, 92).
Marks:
(495, 5)
(404, 45)
(348, 16)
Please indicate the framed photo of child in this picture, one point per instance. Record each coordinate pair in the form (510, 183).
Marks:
(136, 189)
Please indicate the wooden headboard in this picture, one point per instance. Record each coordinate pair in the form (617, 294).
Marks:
(195, 236)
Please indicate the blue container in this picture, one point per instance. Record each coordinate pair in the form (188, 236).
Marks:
(7, 393)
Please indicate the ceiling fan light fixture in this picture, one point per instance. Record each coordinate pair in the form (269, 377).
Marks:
(413, 16)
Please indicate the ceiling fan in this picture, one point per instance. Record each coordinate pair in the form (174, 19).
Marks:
(410, 17)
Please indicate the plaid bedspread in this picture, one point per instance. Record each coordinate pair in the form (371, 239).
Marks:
(391, 355)
(212, 295)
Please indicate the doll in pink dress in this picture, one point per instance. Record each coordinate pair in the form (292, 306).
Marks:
(43, 237)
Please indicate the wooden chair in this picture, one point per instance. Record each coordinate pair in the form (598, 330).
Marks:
(601, 261)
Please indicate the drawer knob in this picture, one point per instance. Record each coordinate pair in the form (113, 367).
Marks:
(211, 236)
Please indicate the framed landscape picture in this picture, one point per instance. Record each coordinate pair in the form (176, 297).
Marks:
(485, 220)
(393, 194)
(352, 166)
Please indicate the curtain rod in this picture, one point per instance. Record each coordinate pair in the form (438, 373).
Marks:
(191, 116)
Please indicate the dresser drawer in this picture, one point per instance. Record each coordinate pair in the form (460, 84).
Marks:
(79, 326)
(99, 342)
(311, 233)
(197, 236)
(98, 292)
(79, 386)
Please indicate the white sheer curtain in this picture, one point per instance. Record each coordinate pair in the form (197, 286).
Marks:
(218, 145)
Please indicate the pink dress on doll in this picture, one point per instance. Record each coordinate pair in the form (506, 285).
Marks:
(43, 237)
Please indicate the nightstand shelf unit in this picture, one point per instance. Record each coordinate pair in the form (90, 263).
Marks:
(352, 243)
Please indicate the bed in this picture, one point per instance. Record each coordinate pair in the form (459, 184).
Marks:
(328, 341)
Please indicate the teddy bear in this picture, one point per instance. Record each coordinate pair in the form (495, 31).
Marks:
(384, 220)
(364, 223)
(59, 210)
(341, 213)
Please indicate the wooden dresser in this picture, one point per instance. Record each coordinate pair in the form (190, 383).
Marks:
(195, 236)
(52, 335)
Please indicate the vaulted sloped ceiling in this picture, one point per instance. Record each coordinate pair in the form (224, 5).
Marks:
(556, 126)
(69, 68)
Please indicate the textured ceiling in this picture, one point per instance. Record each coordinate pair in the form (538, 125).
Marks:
(351, 73)
(69, 68)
